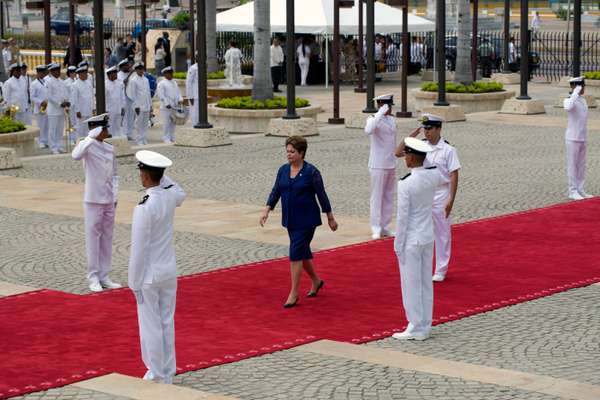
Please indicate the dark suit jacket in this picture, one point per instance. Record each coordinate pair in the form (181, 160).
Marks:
(299, 197)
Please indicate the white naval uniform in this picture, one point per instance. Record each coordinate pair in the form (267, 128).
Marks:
(99, 199)
(576, 139)
(25, 81)
(169, 95)
(15, 94)
(191, 91)
(58, 93)
(128, 120)
(142, 99)
(82, 101)
(381, 129)
(413, 245)
(70, 84)
(233, 69)
(39, 94)
(115, 104)
(153, 277)
(445, 158)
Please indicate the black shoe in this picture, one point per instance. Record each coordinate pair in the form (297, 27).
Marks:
(290, 305)
(277, 90)
(314, 294)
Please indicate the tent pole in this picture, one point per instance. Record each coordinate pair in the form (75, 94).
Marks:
(326, 61)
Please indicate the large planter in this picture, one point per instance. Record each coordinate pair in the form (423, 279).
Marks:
(22, 142)
(252, 121)
(470, 102)
(246, 80)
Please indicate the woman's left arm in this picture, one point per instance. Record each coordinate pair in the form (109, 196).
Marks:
(319, 188)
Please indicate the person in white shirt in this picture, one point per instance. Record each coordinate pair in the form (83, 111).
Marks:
(576, 139)
(15, 93)
(138, 89)
(381, 129)
(303, 56)
(445, 158)
(414, 239)
(115, 100)
(233, 64)
(276, 64)
(170, 99)
(39, 101)
(6, 54)
(25, 80)
(82, 100)
(191, 91)
(536, 22)
(124, 75)
(58, 100)
(99, 201)
(69, 82)
(152, 266)
(512, 51)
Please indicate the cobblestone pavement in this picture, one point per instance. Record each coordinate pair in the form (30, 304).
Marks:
(48, 251)
(504, 168)
(70, 393)
(296, 375)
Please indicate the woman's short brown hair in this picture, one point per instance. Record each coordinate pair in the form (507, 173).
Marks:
(298, 143)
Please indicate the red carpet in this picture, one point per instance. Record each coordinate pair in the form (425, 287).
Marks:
(49, 338)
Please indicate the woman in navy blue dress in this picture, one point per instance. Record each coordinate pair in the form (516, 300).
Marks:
(299, 185)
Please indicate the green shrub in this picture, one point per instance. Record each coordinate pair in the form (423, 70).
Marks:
(210, 75)
(8, 125)
(561, 13)
(595, 75)
(475, 87)
(246, 103)
(181, 20)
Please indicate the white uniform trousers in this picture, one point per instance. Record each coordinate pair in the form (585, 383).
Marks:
(383, 188)
(24, 117)
(99, 223)
(114, 120)
(42, 123)
(141, 127)
(576, 153)
(417, 287)
(304, 66)
(194, 113)
(81, 128)
(56, 129)
(168, 125)
(156, 318)
(442, 230)
(129, 120)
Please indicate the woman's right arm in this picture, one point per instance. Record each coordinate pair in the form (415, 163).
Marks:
(272, 200)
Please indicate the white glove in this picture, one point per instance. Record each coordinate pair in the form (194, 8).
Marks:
(577, 90)
(384, 109)
(138, 296)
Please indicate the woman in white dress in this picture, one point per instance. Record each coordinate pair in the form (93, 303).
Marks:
(303, 54)
(233, 65)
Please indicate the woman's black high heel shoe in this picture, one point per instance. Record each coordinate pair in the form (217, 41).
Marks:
(314, 294)
(290, 305)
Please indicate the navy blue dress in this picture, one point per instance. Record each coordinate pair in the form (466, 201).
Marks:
(300, 212)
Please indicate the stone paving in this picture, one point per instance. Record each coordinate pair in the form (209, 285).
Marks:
(506, 168)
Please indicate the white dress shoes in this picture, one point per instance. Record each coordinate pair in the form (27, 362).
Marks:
(438, 278)
(108, 284)
(575, 196)
(410, 336)
(376, 236)
(585, 195)
(95, 286)
(386, 233)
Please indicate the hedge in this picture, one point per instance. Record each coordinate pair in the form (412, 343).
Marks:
(475, 87)
(8, 125)
(595, 75)
(246, 103)
(210, 75)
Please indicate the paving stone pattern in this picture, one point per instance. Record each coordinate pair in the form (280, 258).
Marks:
(297, 375)
(557, 336)
(506, 168)
(42, 250)
(70, 393)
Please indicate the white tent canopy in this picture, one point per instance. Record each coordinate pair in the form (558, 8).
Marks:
(316, 17)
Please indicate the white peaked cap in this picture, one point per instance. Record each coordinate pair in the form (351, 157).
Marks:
(152, 159)
(418, 146)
